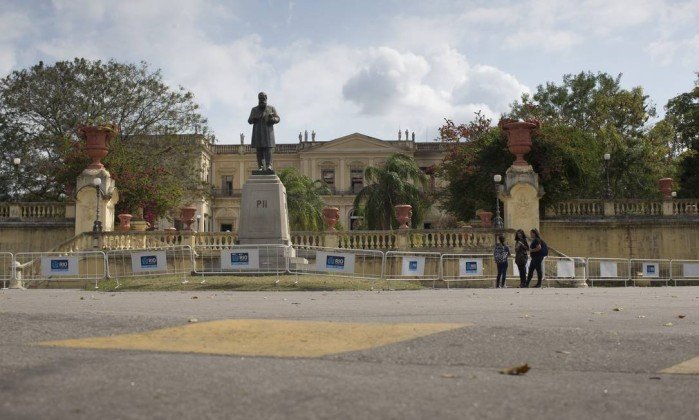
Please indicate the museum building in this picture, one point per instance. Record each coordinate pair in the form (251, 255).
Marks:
(339, 162)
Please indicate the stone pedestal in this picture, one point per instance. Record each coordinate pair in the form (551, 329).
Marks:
(520, 195)
(86, 201)
(264, 219)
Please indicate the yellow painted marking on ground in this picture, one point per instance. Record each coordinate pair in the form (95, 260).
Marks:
(254, 337)
(690, 367)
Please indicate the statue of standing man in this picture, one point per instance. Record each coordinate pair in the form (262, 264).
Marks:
(263, 117)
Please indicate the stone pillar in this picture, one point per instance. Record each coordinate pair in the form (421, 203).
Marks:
(520, 195)
(86, 201)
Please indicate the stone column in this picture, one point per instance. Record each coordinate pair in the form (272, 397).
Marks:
(86, 201)
(521, 191)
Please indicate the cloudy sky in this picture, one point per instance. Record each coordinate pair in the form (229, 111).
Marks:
(368, 66)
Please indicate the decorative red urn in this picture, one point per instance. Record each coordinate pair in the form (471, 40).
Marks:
(404, 212)
(125, 221)
(519, 138)
(330, 216)
(97, 139)
(665, 185)
(486, 219)
(187, 216)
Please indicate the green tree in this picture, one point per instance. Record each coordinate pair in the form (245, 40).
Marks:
(304, 201)
(614, 120)
(398, 181)
(683, 117)
(46, 103)
(562, 156)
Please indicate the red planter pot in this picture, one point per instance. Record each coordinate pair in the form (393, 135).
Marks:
(187, 216)
(519, 139)
(665, 185)
(486, 219)
(97, 140)
(404, 212)
(330, 216)
(125, 221)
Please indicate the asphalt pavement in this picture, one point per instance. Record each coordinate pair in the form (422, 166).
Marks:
(593, 353)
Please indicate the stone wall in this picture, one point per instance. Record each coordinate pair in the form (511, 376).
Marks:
(666, 237)
(31, 237)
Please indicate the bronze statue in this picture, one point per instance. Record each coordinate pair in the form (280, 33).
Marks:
(263, 117)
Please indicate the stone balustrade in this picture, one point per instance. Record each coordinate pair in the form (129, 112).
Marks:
(616, 208)
(37, 211)
(688, 206)
(368, 239)
(454, 239)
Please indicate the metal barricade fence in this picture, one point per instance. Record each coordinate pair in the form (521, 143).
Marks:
(7, 262)
(178, 260)
(241, 259)
(468, 267)
(650, 269)
(564, 269)
(399, 265)
(608, 269)
(60, 266)
(364, 264)
(684, 270)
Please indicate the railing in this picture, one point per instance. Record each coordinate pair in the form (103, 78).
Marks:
(307, 238)
(226, 192)
(629, 207)
(576, 208)
(455, 239)
(369, 239)
(638, 207)
(39, 210)
(685, 206)
(458, 239)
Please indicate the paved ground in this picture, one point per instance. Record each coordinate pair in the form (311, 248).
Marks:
(587, 360)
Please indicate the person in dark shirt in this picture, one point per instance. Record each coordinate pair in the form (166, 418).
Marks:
(521, 256)
(500, 254)
(535, 250)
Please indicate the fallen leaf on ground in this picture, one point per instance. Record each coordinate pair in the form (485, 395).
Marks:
(669, 324)
(449, 376)
(562, 352)
(195, 297)
(619, 309)
(82, 298)
(516, 370)
(681, 316)
(597, 313)
(193, 320)
(641, 316)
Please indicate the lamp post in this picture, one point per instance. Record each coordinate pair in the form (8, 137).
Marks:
(674, 194)
(97, 226)
(199, 229)
(608, 191)
(15, 162)
(498, 223)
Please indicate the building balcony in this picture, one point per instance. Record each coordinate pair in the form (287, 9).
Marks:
(226, 192)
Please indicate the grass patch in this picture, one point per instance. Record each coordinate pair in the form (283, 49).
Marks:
(248, 283)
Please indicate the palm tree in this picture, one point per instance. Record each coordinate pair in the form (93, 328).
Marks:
(399, 181)
(303, 199)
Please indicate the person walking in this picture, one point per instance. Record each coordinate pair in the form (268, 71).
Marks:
(500, 254)
(521, 256)
(538, 250)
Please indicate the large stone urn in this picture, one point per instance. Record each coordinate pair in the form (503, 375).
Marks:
(97, 139)
(486, 219)
(330, 216)
(125, 221)
(665, 185)
(404, 212)
(187, 216)
(519, 138)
